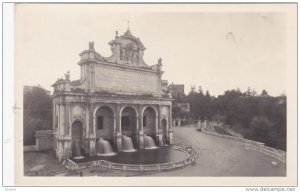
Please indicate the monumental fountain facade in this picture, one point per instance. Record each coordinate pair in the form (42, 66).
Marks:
(119, 103)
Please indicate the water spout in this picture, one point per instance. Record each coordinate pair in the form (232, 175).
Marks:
(77, 153)
(127, 144)
(149, 142)
(104, 148)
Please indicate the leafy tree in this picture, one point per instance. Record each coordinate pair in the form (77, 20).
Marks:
(258, 117)
(259, 128)
(37, 112)
(264, 93)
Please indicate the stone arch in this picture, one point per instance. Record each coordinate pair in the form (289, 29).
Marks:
(77, 139)
(104, 122)
(77, 118)
(130, 106)
(104, 105)
(149, 120)
(128, 120)
(146, 106)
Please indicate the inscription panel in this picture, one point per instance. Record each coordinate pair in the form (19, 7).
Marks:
(125, 80)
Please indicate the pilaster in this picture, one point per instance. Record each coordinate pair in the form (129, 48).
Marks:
(141, 128)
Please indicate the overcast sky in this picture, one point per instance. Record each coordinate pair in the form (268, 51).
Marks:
(218, 51)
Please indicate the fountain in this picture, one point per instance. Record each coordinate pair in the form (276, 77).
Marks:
(104, 148)
(149, 142)
(77, 153)
(164, 141)
(127, 144)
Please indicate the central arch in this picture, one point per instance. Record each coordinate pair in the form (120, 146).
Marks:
(128, 121)
(128, 117)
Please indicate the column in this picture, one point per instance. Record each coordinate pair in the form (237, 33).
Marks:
(159, 118)
(87, 120)
(141, 128)
(90, 130)
(61, 132)
(91, 119)
(115, 129)
(70, 118)
(93, 78)
(58, 119)
(53, 116)
(62, 120)
(170, 131)
(119, 131)
(67, 143)
(159, 134)
(54, 125)
(66, 112)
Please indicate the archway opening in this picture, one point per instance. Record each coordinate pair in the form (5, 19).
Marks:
(149, 121)
(104, 122)
(149, 127)
(77, 140)
(129, 129)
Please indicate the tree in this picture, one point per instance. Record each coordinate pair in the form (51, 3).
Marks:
(200, 91)
(259, 128)
(257, 117)
(264, 93)
(37, 113)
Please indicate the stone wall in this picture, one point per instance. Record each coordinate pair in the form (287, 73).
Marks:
(44, 140)
(125, 80)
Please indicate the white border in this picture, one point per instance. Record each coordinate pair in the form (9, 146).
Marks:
(8, 94)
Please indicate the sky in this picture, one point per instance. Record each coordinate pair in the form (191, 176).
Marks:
(215, 50)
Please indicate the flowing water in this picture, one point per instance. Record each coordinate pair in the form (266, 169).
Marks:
(149, 142)
(127, 144)
(77, 153)
(104, 148)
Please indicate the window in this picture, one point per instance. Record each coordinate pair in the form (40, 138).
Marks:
(125, 121)
(144, 121)
(100, 122)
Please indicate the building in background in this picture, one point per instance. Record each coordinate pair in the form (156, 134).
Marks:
(181, 108)
(177, 89)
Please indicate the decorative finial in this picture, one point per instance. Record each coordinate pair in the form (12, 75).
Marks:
(128, 24)
(159, 61)
(67, 75)
(91, 45)
(128, 29)
(117, 34)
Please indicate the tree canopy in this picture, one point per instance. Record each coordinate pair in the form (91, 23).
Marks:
(37, 111)
(259, 117)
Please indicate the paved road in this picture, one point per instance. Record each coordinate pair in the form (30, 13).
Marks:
(222, 157)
